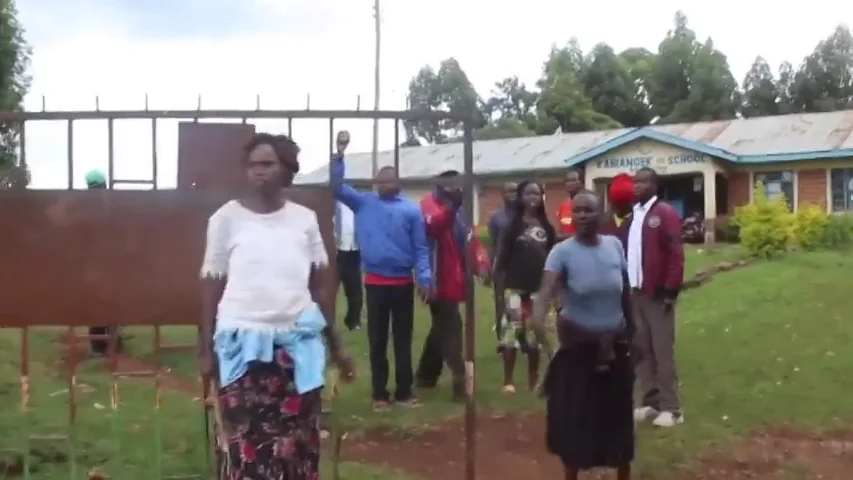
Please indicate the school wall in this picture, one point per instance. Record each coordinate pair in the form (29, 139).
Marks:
(811, 182)
(490, 197)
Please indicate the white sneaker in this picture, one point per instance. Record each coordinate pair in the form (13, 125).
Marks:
(668, 419)
(644, 414)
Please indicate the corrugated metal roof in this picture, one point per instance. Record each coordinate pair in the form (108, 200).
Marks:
(490, 157)
(752, 138)
(810, 132)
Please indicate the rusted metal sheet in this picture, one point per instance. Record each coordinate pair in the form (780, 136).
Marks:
(112, 257)
(210, 155)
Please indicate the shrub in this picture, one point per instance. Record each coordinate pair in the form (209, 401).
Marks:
(482, 232)
(727, 230)
(838, 232)
(809, 228)
(765, 226)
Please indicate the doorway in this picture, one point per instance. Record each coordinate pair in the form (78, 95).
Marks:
(684, 192)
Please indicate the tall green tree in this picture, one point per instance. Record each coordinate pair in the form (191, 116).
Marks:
(563, 103)
(760, 91)
(448, 90)
(669, 79)
(507, 127)
(612, 89)
(784, 87)
(691, 81)
(511, 99)
(639, 62)
(14, 83)
(824, 81)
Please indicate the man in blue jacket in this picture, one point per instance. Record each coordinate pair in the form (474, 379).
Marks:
(391, 234)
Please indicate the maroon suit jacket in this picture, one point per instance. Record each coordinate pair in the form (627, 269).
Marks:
(663, 251)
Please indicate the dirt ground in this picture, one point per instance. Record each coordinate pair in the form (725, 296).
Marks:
(508, 446)
(513, 447)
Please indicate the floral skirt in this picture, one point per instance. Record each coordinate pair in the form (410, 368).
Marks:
(271, 431)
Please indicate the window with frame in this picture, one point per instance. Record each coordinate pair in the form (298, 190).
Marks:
(777, 184)
(841, 186)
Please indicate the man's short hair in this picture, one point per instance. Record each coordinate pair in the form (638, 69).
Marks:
(448, 174)
(653, 174)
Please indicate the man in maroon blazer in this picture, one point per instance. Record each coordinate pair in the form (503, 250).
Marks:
(656, 271)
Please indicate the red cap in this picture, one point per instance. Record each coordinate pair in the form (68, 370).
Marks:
(622, 190)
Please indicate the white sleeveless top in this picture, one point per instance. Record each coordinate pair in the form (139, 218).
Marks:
(267, 260)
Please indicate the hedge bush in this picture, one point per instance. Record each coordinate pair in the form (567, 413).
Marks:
(765, 226)
(809, 228)
(838, 232)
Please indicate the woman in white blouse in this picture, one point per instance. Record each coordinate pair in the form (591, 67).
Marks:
(264, 266)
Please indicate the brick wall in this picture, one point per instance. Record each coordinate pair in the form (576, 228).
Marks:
(738, 191)
(811, 188)
(491, 200)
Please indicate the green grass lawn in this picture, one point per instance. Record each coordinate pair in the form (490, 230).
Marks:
(757, 346)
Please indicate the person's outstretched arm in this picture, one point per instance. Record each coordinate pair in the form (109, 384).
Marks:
(347, 195)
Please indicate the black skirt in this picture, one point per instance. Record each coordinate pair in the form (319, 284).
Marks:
(590, 421)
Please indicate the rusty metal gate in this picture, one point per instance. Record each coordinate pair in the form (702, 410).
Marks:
(130, 258)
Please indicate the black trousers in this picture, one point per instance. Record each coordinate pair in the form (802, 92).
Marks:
(443, 345)
(390, 308)
(349, 274)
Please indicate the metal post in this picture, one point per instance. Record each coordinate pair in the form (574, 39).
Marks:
(374, 156)
(331, 137)
(70, 147)
(154, 167)
(470, 308)
(397, 146)
(111, 153)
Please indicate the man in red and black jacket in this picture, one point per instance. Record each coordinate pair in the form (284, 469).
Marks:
(447, 236)
(656, 272)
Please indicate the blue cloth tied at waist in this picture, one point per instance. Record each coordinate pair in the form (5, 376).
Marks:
(236, 348)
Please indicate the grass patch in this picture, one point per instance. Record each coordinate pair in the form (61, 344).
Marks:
(757, 346)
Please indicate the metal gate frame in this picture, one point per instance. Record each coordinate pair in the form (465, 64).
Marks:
(110, 116)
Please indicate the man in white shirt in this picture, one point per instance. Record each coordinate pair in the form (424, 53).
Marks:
(349, 265)
(655, 257)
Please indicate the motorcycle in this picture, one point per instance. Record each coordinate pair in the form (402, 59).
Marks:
(693, 228)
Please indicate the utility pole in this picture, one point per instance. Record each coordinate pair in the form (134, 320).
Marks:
(378, 27)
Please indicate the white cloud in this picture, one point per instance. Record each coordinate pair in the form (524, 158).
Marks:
(334, 63)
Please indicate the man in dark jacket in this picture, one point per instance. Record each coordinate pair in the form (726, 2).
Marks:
(447, 236)
(656, 271)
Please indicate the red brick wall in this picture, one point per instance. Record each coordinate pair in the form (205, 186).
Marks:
(491, 200)
(811, 188)
(738, 191)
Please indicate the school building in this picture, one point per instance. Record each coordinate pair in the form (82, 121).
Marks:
(707, 167)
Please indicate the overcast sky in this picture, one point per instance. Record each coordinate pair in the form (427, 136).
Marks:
(228, 51)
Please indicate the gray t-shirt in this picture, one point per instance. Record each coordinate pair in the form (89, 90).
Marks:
(593, 274)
